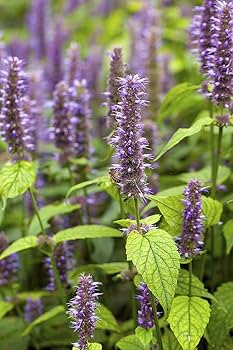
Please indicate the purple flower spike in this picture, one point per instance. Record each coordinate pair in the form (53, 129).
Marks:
(80, 109)
(62, 128)
(116, 71)
(222, 69)
(14, 122)
(82, 310)
(33, 309)
(145, 314)
(191, 240)
(128, 138)
(8, 266)
(73, 70)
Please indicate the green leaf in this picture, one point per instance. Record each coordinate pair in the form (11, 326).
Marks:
(157, 260)
(204, 175)
(150, 220)
(188, 320)
(108, 268)
(198, 288)
(171, 208)
(33, 295)
(228, 235)
(84, 184)
(44, 317)
(221, 320)
(144, 335)
(177, 94)
(19, 245)
(170, 342)
(47, 213)
(86, 231)
(94, 346)
(182, 133)
(212, 210)
(106, 319)
(131, 342)
(16, 178)
(5, 308)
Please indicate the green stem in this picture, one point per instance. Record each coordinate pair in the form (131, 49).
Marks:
(216, 167)
(156, 321)
(137, 214)
(121, 205)
(37, 210)
(60, 288)
(190, 278)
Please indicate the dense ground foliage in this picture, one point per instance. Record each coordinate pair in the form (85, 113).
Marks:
(116, 177)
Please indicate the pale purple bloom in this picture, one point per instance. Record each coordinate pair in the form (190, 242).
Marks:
(81, 113)
(129, 139)
(15, 127)
(145, 313)
(8, 266)
(191, 240)
(82, 310)
(32, 309)
(116, 71)
(73, 69)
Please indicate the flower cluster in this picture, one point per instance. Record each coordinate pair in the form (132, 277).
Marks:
(116, 71)
(128, 138)
(190, 243)
(15, 127)
(82, 310)
(8, 266)
(32, 309)
(145, 314)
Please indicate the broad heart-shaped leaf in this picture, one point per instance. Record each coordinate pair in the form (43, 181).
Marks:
(188, 320)
(44, 317)
(94, 346)
(177, 94)
(228, 235)
(131, 342)
(221, 320)
(106, 319)
(144, 335)
(150, 220)
(182, 133)
(171, 208)
(170, 342)
(198, 288)
(16, 178)
(4, 308)
(157, 260)
(19, 245)
(86, 231)
(84, 184)
(47, 213)
(204, 175)
(107, 268)
(212, 210)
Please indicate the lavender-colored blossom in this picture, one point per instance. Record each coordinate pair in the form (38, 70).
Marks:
(73, 64)
(14, 122)
(128, 138)
(191, 241)
(223, 120)
(145, 314)
(62, 128)
(38, 22)
(116, 71)
(32, 309)
(81, 113)
(91, 71)
(82, 310)
(8, 266)
(55, 68)
(222, 68)
(71, 5)
(61, 258)
(18, 48)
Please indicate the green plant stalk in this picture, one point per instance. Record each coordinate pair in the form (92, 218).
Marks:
(53, 263)
(156, 321)
(190, 278)
(137, 214)
(216, 167)
(37, 211)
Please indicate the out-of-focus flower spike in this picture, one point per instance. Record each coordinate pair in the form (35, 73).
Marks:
(73, 69)
(8, 266)
(32, 309)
